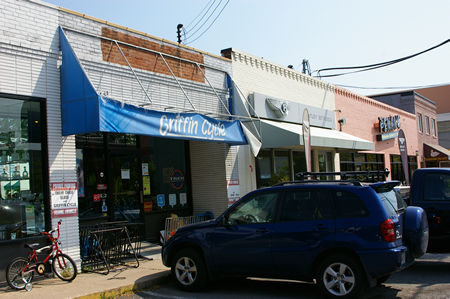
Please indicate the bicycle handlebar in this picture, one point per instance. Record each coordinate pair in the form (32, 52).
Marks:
(50, 233)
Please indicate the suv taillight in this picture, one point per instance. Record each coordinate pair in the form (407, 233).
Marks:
(388, 230)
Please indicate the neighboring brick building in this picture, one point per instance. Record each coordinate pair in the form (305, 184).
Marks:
(425, 111)
(440, 95)
(362, 118)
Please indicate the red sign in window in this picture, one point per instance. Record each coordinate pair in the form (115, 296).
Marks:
(97, 197)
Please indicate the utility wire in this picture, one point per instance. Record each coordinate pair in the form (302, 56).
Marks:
(203, 24)
(398, 87)
(369, 67)
(195, 25)
(208, 4)
(220, 12)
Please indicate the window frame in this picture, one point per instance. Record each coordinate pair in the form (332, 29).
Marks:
(44, 158)
(433, 127)
(427, 125)
(420, 122)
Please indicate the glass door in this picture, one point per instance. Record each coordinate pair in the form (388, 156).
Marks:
(325, 164)
(125, 178)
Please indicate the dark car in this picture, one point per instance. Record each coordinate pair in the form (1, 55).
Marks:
(430, 189)
(343, 235)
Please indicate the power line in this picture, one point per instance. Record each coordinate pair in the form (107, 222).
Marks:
(211, 1)
(195, 25)
(220, 12)
(203, 24)
(369, 67)
(397, 87)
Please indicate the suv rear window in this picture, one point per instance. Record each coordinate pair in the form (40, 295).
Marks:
(392, 202)
(348, 205)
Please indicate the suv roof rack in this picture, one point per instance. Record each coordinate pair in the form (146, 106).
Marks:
(346, 182)
(345, 175)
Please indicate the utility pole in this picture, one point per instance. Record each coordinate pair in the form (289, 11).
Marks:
(306, 67)
(179, 26)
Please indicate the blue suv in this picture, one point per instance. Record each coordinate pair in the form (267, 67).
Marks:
(345, 236)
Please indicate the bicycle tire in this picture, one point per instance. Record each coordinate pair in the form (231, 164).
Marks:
(64, 267)
(13, 275)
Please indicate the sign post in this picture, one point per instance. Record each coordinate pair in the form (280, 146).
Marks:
(403, 154)
(307, 139)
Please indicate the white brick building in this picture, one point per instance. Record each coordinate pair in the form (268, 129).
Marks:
(49, 130)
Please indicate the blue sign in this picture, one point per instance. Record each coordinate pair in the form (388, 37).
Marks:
(387, 136)
(161, 200)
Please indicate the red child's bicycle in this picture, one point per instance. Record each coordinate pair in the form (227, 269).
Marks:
(20, 271)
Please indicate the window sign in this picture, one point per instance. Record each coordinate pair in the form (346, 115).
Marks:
(125, 174)
(172, 199)
(183, 199)
(160, 199)
(64, 199)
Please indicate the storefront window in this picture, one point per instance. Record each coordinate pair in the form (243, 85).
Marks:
(275, 166)
(362, 162)
(263, 168)
(299, 161)
(281, 167)
(397, 167)
(21, 168)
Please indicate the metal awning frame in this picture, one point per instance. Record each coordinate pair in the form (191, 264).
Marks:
(163, 56)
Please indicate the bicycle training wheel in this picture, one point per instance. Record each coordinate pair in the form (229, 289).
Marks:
(16, 277)
(64, 267)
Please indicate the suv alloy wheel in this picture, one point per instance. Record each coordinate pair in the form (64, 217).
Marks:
(189, 270)
(340, 276)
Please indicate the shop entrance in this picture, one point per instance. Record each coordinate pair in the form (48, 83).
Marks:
(125, 181)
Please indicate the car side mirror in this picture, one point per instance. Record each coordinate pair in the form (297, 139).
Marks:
(223, 221)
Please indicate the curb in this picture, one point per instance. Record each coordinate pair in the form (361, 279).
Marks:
(141, 284)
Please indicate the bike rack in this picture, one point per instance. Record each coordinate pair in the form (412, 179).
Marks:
(108, 244)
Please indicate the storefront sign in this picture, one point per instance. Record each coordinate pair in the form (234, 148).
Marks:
(386, 136)
(283, 109)
(403, 154)
(435, 153)
(389, 124)
(64, 197)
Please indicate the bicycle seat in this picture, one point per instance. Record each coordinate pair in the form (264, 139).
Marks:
(33, 246)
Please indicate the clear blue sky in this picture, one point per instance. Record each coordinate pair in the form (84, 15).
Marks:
(329, 33)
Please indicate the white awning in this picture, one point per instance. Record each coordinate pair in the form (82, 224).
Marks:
(279, 134)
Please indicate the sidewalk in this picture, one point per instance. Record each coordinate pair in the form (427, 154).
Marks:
(120, 280)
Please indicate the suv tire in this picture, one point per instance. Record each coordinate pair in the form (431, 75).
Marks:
(189, 270)
(346, 273)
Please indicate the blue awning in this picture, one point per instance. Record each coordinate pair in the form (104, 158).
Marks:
(85, 111)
